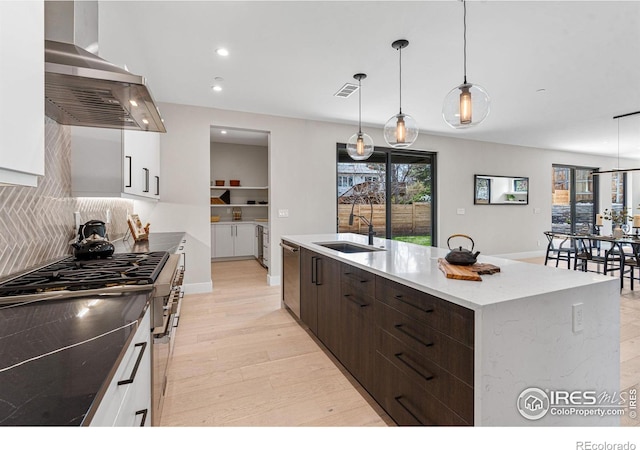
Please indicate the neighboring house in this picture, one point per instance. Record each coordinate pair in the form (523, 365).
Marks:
(350, 175)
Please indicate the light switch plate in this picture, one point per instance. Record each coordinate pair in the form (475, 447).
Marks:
(460, 211)
(283, 213)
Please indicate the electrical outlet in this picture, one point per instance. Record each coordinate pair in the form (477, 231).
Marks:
(578, 317)
(536, 210)
(460, 211)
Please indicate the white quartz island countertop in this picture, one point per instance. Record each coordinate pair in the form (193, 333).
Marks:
(417, 266)
(526, 334)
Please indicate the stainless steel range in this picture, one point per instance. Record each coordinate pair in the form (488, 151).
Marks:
(121, 273)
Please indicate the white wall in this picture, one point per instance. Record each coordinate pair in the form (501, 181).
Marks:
(247, 163)
(310, 195)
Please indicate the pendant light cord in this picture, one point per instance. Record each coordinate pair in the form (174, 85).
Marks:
(359, 106)
(464, 38)
(618, 144)
(400, 50)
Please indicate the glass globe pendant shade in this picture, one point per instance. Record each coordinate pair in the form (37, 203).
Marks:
(400, 131)
(360, 146)
(466, 105)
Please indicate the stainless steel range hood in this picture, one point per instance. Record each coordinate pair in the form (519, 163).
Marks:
(85, 90)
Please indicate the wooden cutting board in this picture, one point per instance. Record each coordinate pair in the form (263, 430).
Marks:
(471, 273)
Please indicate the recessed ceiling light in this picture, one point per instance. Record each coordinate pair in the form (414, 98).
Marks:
(222, 52)
(133, 103)
(217, 88)
(223, 131)
(145, 121)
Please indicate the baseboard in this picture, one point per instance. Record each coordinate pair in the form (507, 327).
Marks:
(198, 288)
(273, 280)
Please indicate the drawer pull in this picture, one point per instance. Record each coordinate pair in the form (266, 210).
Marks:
(353, 300)
(349, 274)
(400, 400)
(401, 298)
(144, 416)
(400, 327)
(135, 368)
(404, 360)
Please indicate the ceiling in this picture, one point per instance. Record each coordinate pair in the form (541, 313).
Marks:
(557, 71)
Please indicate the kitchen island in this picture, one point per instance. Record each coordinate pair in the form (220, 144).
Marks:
(528, 332)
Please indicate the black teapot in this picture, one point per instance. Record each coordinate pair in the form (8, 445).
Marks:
(461, 256)
(92, 241)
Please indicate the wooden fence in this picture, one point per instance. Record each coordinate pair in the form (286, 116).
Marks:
(414, 219)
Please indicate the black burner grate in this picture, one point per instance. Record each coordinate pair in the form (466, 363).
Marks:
(71, 274)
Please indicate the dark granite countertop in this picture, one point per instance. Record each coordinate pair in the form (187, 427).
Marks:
(158, 242)
(56, 355)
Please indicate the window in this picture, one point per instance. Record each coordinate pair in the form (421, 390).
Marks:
(572, 199)
(395, 187)
(618, 185)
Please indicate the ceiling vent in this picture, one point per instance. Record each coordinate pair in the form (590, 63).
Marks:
(346, 90)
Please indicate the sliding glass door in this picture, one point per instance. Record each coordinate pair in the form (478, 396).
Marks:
(573, 196)
(411, 194)
(393, 188)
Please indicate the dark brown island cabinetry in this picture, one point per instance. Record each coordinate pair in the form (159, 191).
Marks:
(424, 357)
(320, 297)
(412, 351)
(357, 323)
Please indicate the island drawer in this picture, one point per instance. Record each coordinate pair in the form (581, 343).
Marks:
(423, 372)
(358, 279)
(452, 320)
(406, 402)
(451, 355)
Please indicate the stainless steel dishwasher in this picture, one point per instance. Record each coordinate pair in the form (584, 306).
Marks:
(291, 276)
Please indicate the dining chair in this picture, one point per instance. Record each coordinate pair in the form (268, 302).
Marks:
(631, 262)
(561, 247)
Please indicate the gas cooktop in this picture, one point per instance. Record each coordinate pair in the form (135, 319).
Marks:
(70, 274)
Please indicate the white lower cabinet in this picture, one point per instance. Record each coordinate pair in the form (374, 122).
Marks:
(127, 401)
(229, 240)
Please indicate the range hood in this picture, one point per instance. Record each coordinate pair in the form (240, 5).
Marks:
(85, 90)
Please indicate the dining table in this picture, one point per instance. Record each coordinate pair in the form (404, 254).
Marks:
(620, 254)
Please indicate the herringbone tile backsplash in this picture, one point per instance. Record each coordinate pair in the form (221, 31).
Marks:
(36, 224)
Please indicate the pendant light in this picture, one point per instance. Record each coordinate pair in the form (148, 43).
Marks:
(468, 104)
(618, 169)
(360, 145)
(401, 130)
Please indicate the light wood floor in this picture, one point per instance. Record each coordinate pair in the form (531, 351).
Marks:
(241, 360)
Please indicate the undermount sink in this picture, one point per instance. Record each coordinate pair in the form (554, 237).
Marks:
(349, 247)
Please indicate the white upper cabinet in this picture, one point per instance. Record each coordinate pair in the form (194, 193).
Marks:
(115, 163)
(21, 92)
(141, 163)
